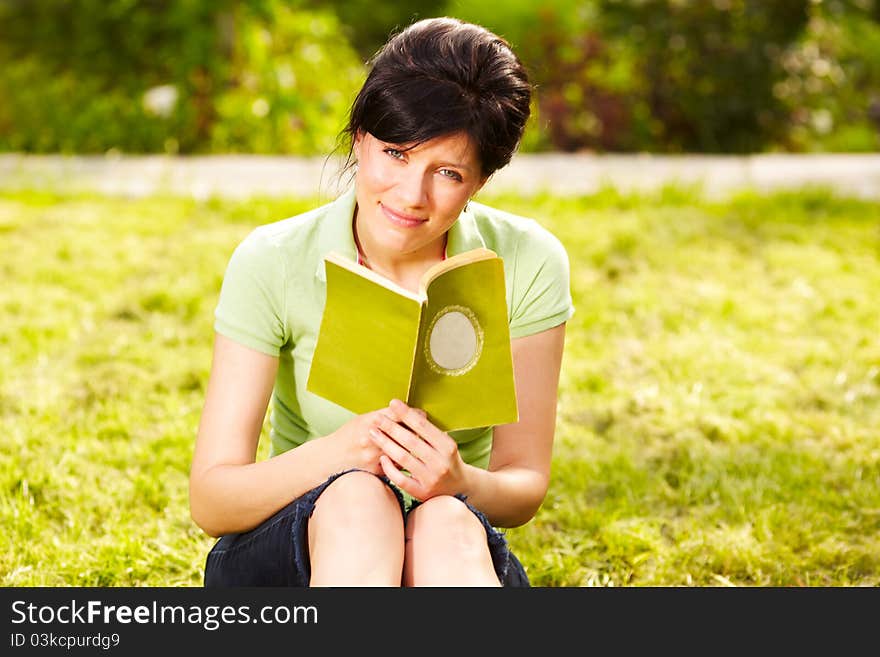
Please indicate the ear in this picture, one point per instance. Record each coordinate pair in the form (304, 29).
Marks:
(356, 145)
(480, 186)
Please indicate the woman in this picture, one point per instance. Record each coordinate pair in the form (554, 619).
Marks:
(384, 498)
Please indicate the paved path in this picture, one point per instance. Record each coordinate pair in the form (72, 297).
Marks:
(243, 176)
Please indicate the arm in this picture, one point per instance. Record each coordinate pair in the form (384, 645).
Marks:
(513, 488)
(511, 491)
(229, 491)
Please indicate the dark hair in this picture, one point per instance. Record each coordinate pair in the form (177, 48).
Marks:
(440, 76)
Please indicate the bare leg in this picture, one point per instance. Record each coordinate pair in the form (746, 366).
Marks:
(356, 534)
(446, 546)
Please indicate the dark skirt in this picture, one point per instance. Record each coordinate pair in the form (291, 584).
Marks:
(276, 553)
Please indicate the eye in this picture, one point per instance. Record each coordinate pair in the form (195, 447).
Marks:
(451, 174)
(393, 152)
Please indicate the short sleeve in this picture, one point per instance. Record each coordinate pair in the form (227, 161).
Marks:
(541, 284)
(250, 309)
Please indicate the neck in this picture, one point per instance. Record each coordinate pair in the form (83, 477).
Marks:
(399, 267)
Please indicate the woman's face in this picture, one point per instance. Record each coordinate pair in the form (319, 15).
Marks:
(408, 199)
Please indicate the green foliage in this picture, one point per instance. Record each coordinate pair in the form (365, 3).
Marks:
(278, 76)
(75, 73)
(707, 69)
(293, 77)
(368, 23)
(581, 80)
(718, 410)
(833, 84)
(167, 76)
(734, 76)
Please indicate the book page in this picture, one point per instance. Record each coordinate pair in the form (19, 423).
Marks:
(463, 374)
(369, 274)
(367, 342)
(437, 270)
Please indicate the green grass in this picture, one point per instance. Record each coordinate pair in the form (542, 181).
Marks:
(718, 424)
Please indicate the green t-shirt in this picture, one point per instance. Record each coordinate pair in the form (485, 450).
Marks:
(274, 290)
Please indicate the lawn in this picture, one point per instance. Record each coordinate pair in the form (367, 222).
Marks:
(718, 420)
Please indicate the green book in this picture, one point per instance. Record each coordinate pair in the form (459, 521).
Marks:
(445, 349)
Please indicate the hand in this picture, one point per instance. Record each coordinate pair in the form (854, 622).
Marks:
(358, 450)
(408, 440)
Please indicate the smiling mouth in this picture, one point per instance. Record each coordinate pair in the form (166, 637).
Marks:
(404, 220)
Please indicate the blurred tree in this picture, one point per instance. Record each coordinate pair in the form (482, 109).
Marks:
(292, 78)
(172, 75)
(832, 87)
(278, 75)
(661, 75)
(708, 69)
(369, 23)
(74, 72)
(582, 81)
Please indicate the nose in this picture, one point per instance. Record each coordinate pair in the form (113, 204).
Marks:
(412, 188)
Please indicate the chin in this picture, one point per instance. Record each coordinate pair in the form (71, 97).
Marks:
(401, 244)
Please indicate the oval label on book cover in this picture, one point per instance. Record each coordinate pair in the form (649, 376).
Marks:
(455, 340)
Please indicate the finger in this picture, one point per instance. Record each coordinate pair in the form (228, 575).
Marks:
(417, 420)
(397, 453)
(387, 413)
(404, 483)
(410, 441)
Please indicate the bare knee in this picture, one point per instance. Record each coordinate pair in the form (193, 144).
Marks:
(445, 518)
(356, 499)
(356, 533)
(447, 544)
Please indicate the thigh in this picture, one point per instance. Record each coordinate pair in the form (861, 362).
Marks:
(358, 505)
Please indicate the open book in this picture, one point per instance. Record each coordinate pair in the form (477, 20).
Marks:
(445, 349)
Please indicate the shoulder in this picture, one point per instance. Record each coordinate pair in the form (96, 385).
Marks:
(282, 244)
(266, 271)
(295, 231)
(536, 268)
